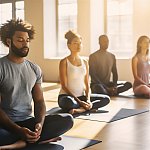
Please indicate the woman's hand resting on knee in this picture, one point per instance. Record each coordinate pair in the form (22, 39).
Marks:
(86, 105)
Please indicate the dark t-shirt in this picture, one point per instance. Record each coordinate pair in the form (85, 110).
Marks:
(101, 65)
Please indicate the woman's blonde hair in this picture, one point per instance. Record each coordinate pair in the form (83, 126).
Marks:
(141, 38)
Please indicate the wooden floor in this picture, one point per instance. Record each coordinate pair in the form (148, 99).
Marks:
(132, 133)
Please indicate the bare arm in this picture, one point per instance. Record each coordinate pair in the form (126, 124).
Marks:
(86, 82)
(115, 73)
(39, 105)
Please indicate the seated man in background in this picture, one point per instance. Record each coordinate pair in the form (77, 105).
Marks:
(101, 65)
(20, 84)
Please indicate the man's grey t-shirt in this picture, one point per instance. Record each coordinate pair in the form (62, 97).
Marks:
(16, 84)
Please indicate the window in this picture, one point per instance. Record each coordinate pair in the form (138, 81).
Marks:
(20, 9)
(119, 27)
(67, 19)
(59, 17)
(10, 9)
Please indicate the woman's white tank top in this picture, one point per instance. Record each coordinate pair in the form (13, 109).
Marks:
(75, 78)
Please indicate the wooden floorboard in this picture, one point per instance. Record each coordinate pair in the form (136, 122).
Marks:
(127, 134)
(132, 133)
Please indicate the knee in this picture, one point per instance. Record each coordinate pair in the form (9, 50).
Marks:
(68, 119)
(107, 100)
(99, 100)
(142, 91)
(103, 97)
(66, 102)
(7, 138)
(128, 85)
(99, 89)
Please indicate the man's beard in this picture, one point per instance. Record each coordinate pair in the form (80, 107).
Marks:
(19, 51)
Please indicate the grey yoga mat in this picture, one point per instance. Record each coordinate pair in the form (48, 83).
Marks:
(112, 115)
(67, 143)
(100, 115)
(124, 113)
(103, 115)
(88, 115)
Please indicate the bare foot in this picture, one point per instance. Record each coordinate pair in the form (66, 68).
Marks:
(71, 111)
(93, 110)
(76, 111)
(51, 140)
(112, 91)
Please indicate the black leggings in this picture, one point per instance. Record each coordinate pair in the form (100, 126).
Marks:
(102, 88)
(67, 102)
(54, 126)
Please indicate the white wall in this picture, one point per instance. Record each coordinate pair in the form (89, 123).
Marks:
(34, 14)
(141, 19)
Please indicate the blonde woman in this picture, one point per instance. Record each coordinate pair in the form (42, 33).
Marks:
(141, 68)
(74, 95)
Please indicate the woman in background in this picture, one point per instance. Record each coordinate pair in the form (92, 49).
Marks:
(74, 95)
(141, 68)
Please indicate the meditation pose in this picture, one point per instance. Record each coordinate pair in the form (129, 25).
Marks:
(74, 95)
(102, 64)
(141, 68)
(20, 84)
